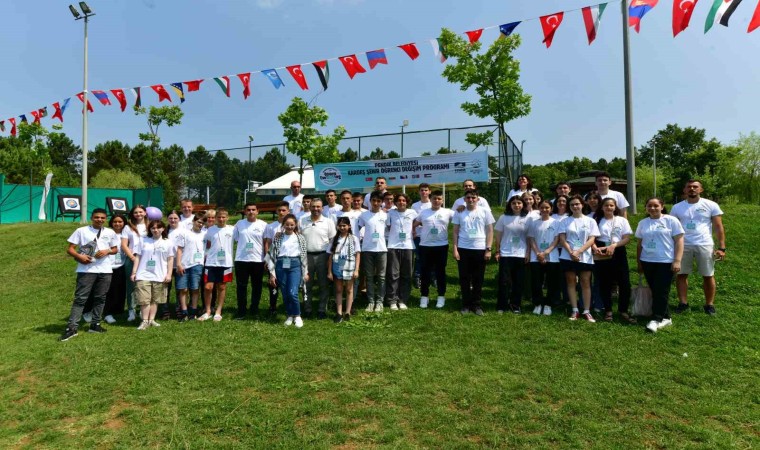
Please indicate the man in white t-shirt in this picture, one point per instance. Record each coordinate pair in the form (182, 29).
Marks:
(318, 231)
(473, 236)
(459, 204)
(332, 207)
(374, 251)
(283, 209)
(186, 219)
(700, 218)
(381, 186)
(305, 207)
(399, 269)
(91, 247)
(249, 259)
(295, 198)
(418, 207)
(432, 229)
(347, 211)
(603, 183)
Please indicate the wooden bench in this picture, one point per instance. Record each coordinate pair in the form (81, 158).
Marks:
(264, 207)
(201, 209)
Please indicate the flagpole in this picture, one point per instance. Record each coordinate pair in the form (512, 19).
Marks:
(83, 204)
(629, 153)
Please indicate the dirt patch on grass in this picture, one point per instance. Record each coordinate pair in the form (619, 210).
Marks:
(114, 421)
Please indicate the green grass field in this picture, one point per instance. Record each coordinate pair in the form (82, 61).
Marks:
(414, 379)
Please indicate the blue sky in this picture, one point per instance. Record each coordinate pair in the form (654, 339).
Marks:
(707, 81)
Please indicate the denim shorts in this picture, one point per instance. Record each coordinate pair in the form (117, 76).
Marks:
(191, 279)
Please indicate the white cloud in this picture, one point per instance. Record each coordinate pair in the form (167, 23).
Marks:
(268, 4)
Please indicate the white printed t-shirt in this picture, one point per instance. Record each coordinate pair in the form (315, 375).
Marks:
(514, 236)
(220, 252)
(250, 240)
(374, 231)
(88, 242)
(154, 256)
(472, 227)
(400, 232)
(696, 219)
(434, 231)
(656, 237)
(577, 232)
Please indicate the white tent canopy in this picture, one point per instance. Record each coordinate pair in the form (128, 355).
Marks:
(281, 186)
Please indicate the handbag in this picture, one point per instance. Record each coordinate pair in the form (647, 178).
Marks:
(641, 300)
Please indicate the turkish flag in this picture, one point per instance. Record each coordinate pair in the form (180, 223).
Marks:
(36, 115)
(297, 74)
(12, 120)
(411, 50)
(193, 86)
(162, 94)
(80, 96)
(474, 35)
(119, 94)
(245, 78)
(755, 21)
(550, 24)
(351, 65)
(58, 113)
(682, 10)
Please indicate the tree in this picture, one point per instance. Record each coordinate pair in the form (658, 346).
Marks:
(156, 116)
(349, 155)
(270, 166)
(65, 159)
(199, 173)
(110, 155)
(494, 75)
(117, 179)
(303, 139)
(477, 140)
(747, 164)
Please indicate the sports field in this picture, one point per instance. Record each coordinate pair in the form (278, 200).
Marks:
(416, 378)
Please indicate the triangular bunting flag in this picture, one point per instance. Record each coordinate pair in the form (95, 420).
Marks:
(507, 29)
(193, 86)
(224, 84)
(376, 57)
(755, 21)
(81, 98)
(43, 111)
(637, 10)
(179, 91)
(411, 50)
(274, 77)
(102, 97)
(36, 115)
(682, 10)
(474, 35)
(720, 12)
(323, 72)
(119, 94)
(23, 118)
(297, 74)
(245, 78)
(438, 50)
(12, 120)
(352, 66)
(162, 93)
(138, 99)
(60, 109)
(550, 24)
(592, 15)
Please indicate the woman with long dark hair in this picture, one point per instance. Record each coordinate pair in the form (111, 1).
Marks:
(577, 234)
(611, 259)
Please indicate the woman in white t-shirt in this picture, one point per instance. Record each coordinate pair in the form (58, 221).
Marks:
(659, 253)
(117, 291)
(286, 262)
(543, 240)
(343, 266)
(611, 259)
(511, 235)
(529, 206)
(522, 186)
(176, 231)
(136, 229)
(154, 264)
(576, 236)
(593, 200)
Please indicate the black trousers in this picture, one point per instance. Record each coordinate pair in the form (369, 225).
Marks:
(660, 277)
(552, 275)
(610, 271)
(245, 270)
(117, 292)
(433, 261)
(511, 282)
(472, 268)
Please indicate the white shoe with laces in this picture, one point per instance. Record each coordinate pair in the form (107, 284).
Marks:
(547, 310)
(537, 310)
(440, 302)
(664, 323)
(298, 322)
(131, 317)
(424, 302)
(652, 326)
(289, 321)
(143, 325)
(110, 319)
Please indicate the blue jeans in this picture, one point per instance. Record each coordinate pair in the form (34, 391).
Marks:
(289, 283)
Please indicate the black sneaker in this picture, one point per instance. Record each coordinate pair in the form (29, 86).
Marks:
(515, 309)
(338, 318)
(346, 317)
(68, 334)
(710, 310)
(682, 307)
(321, 315)
(96, 328)
(239, 317)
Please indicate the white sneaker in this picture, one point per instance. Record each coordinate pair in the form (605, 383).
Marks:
(299, 322)
(424, 302)
(402, 306)
(143, 325)
(370, 307)
(537, 310)
(131, 317)
(110, 319)
(289, 321)
(153, 323)
(652, 326)
(379, 307)
(547, 310)
(87, 317)
(664, 323)
(394, 307)
(440, 302)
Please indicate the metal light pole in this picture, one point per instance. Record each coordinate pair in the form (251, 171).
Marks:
(403, 125)
(629, 153)
(77, 16)
(654, 168)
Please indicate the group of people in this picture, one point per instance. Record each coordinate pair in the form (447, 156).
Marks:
(385, 243)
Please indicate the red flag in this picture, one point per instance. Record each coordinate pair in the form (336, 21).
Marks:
(245, 78)
(193, 86)
(550, 24)
(12, 120)
(755, 22)
(36, 115)
(119, 94)
(58, 113)
(474, 35)
(682, 10)
(162, 93)
(80, 96)
(411, 50)
(297, 74)
(352, 66)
